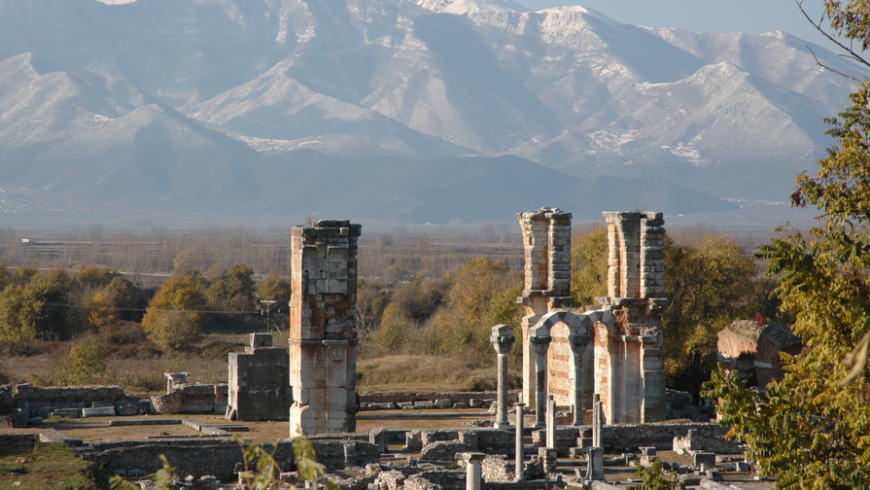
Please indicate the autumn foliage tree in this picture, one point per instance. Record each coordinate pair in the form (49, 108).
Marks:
(173, 319)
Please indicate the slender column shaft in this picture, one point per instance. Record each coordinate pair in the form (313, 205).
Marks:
(578, 346)
(551, 422)
(520, 453)
(501, 418)
(502, 339)
(541, 393)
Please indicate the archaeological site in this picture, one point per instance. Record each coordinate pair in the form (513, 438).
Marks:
(591, 408)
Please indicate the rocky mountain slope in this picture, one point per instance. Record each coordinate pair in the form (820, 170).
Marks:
(203, 102)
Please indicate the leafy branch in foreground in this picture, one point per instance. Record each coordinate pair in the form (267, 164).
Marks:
(812, 429)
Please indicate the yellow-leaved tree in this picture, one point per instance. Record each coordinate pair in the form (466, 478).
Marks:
(173, 320)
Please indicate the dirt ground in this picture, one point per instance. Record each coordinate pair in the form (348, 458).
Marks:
(98, 428)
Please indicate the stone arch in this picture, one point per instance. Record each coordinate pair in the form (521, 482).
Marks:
(570, 372)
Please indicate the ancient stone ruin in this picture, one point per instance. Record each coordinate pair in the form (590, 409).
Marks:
(615, 351)
(752, 349)
(323, 339)
(259, 381)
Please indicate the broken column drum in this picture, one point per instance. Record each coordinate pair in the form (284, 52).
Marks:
(323, 339)
(502, 339)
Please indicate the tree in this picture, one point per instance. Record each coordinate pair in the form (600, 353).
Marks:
(708, 286)
(95, 276)
(275, 288)
(589, 265)
(233, 288)
(810, 429)
(36, 306)
(173, 320)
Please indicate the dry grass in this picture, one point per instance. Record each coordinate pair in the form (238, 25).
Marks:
(429, 373)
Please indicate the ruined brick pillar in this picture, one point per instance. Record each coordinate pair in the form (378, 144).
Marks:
(629, 364)
(322, 337)
(547, 244)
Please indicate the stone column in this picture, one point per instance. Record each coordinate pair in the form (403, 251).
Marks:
(596, 420)
(578, 347)
(502, 340)
(520, 453)
(551, 422)
(595, 463)
(540, 345)
(549, 460)
(472, 469)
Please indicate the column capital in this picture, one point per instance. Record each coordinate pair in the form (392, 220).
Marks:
(471, 456)
(502, 338)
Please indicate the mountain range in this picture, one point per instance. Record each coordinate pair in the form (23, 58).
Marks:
(426, 111)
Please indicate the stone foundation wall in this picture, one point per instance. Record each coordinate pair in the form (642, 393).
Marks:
(446, 480)
(198, 458)
(660, 435)
(31, 396)
(454, 397)
(192, 398)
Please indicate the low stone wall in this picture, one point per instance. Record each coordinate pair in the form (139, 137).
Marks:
(428, 480)
(490, 441)
(193, 398)
(207, 457)
(13, 421)
(26, 395)
(496, 441)
(378, 401)
(497, 468)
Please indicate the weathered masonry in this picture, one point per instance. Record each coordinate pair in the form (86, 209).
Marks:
(259, 387)
(322, 338)
(615, 351)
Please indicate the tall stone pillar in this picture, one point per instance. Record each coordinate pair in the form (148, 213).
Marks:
(547, 248)
(578, 347)
(540, 342)
(629, 368)
(323, 339)
(502, 339)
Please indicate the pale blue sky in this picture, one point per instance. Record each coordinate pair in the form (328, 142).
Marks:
(750, 16)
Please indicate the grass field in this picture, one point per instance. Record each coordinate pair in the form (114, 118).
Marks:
(43, 467)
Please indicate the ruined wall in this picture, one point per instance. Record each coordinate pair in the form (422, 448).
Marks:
(629, 362)
(547, 250)
(192, 398)
(187, 456)
(31, 396)
(259, 381)
(323, 339)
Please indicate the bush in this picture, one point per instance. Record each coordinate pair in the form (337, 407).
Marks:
(84, 364)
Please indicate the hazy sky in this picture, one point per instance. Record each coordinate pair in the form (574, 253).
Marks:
(751, 16)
